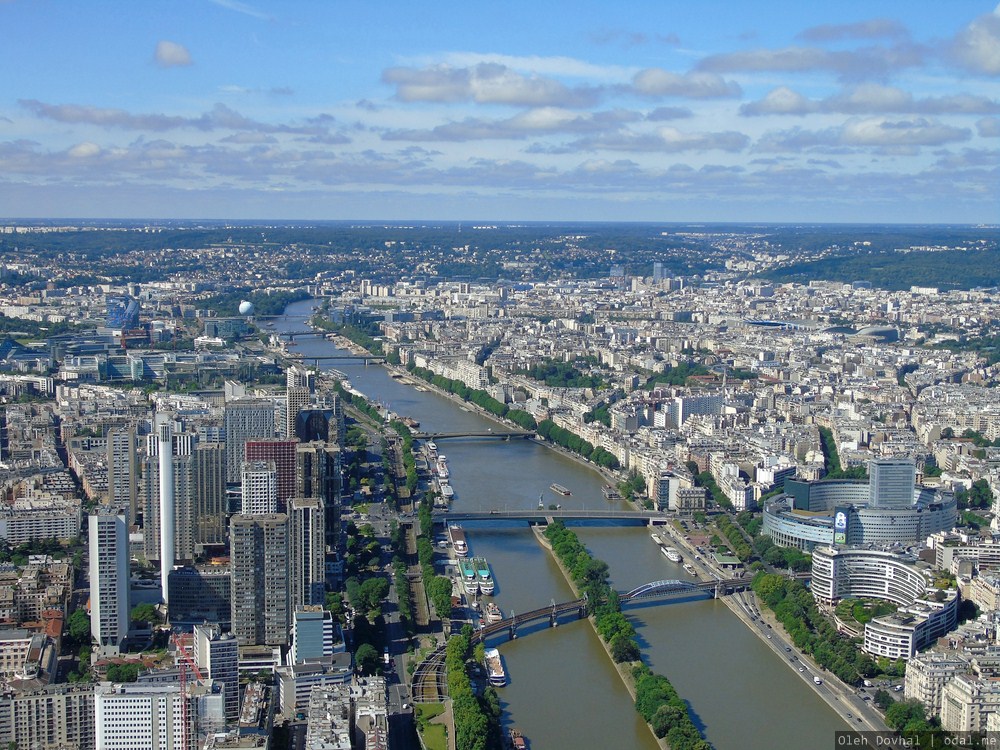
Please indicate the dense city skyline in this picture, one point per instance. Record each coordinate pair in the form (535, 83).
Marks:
(775, 112)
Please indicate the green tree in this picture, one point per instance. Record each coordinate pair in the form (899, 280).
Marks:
(78, 626)
(145, 613)
(366, 659)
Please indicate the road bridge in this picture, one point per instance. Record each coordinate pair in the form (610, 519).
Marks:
(669, 588)
(429, 679)
(503, 434)
(544, 516)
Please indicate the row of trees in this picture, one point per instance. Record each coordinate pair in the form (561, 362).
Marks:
(409, 462)
(480, 398)
(402, 582)
(477, 719)
(734, 535)
(437, 588)
(811, 632)
(573, 442)
(831, 459)
(656, 699)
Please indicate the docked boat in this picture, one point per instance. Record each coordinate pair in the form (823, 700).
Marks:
(467, 569)
(558, 488)
(671, 554)
(493, 612)
(610, 494)
(690, 569)
(484, 575)
(494, 668)
(517, 741)
(458, 543)
(442, 467)
(432, 446)
(447, 492)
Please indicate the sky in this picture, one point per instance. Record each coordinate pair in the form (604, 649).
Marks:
(663, 111)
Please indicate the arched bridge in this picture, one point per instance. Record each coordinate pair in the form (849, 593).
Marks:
(552, 613)
(504, 434)
(663, 589)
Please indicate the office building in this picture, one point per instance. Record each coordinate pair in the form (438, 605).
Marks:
(891, 482)
(315, 634)
(217, 655)
(282, 454)
(259, 563)
(109, 580)
(260, 488)
(128, 716)
(209, 495)
(307, 551)
(245, 419)
(317, 474)
(201, 593)
(169, 465)
(123, 470)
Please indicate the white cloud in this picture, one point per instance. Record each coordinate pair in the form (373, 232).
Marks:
(694, 85)
(557, 66)
(171, 55)
(871, 29)
(977, 46)
(242, 8)
(485, 83)
(84, 150)
(868, 98)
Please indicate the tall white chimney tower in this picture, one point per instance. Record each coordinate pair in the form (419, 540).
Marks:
(165, 450)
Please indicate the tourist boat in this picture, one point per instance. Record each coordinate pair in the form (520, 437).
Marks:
(558, 488)
(442, 467)
(517, 741)
(610, 494)
(493, 612)
(431, 446)
(458, 543)
(671, 554)
(494, 668)
(484, 575)
(467, 568)
(690, 569)
(447, 492)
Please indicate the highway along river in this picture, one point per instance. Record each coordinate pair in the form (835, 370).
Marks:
(563, 690)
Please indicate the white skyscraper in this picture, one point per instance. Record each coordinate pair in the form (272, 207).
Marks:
(891, 482)
(109, 579)
(306, 551)
(260, 488)
(128, 716)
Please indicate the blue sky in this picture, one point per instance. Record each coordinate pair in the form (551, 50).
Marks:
(652, 111)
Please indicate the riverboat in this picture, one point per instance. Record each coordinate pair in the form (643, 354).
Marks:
(671, 554)
(442, 467)
(447, 492)
(559, 489)
(494, 668)
(483, 575)
(690, 569)
(493, 612)
(610, 494)
(517, 741)
(467, 568)
(458, 543)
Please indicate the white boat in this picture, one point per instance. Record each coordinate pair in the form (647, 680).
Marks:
(494, 668)
(671, 554)
(447, 492)
(690, 569)
(484, 575)
(493, 612)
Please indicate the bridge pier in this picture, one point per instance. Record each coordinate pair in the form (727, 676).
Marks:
(553, 620)
(512, 631)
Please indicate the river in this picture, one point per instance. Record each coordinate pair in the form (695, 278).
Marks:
(564, 691)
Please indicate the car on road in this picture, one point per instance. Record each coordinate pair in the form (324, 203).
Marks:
(788, 648)
(802, 669)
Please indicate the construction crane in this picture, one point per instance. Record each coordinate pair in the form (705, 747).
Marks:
(184, 661)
